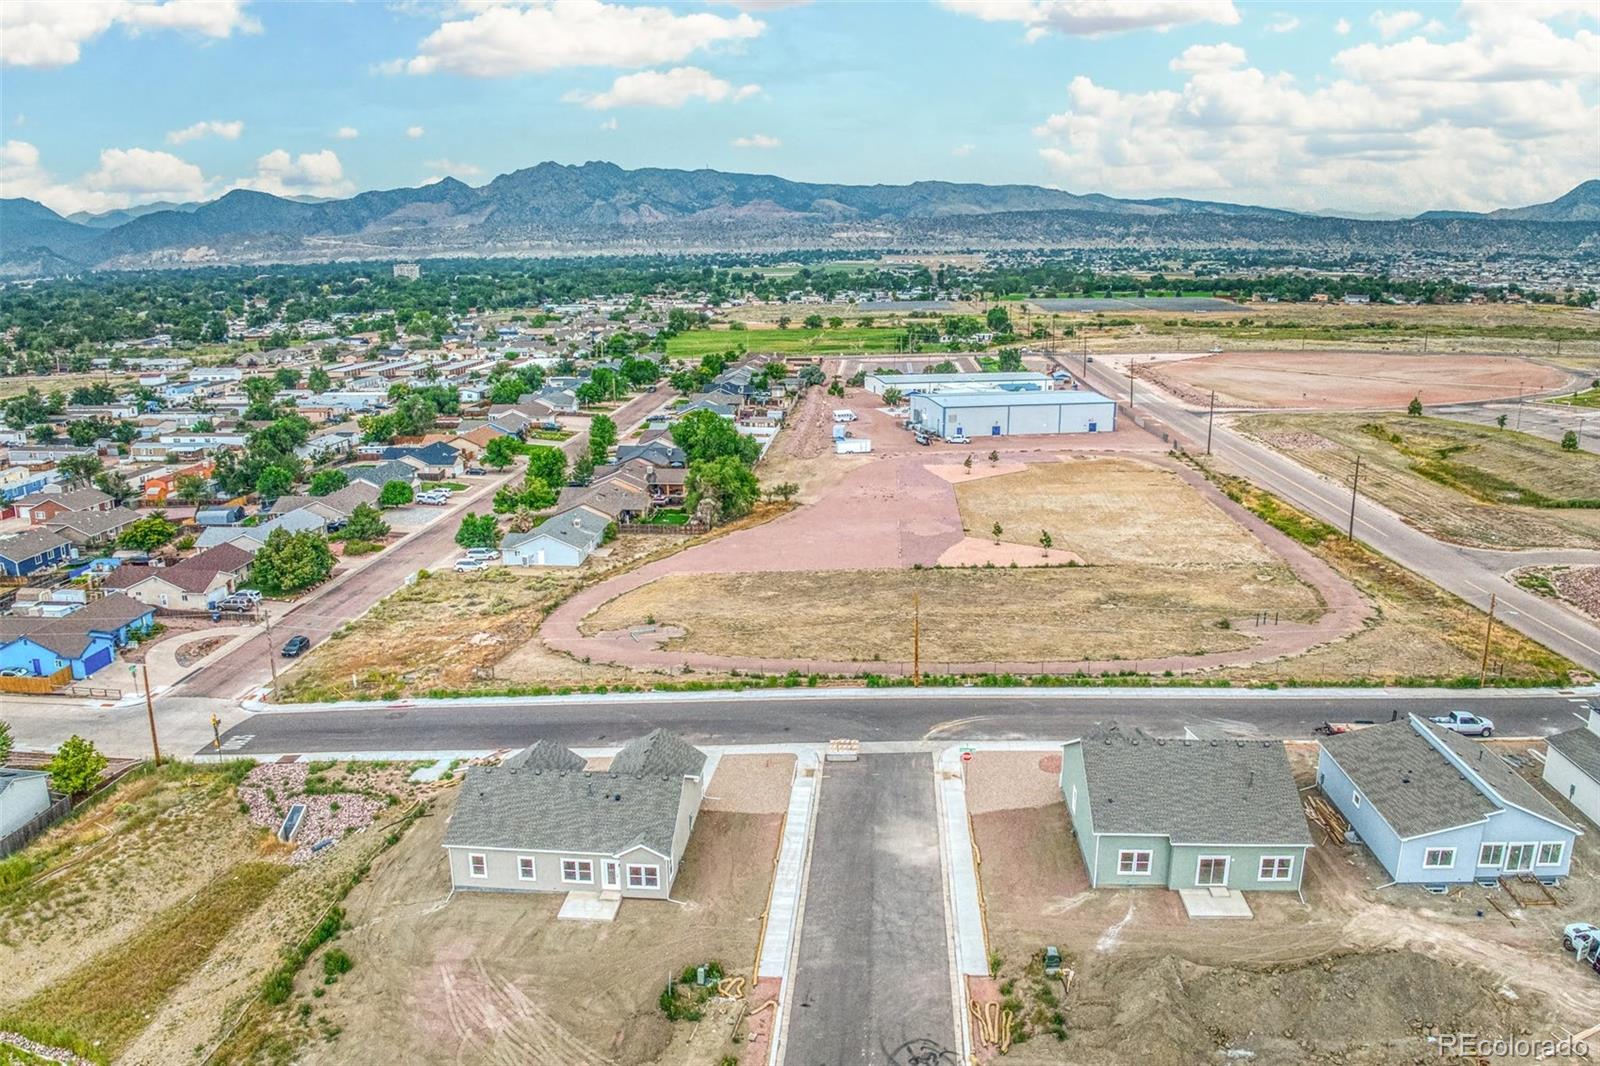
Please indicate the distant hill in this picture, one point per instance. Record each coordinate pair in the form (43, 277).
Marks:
(110, 219)
(600, 207)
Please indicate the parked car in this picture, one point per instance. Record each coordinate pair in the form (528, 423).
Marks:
(475, 471)
(958, 438)
(250, 594)
(483, 555)
(14, 671)
(922, 438)
(434, 497)
(235, 603)
(1468, 725)
(295, 645)
(1578, 935)
(468, 566)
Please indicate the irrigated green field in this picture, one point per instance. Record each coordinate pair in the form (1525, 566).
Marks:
(845, 339)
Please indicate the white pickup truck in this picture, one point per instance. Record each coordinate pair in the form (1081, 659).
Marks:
(1468, 725)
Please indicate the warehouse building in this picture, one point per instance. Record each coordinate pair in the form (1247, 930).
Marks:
(1013, 414)
(1009, 380)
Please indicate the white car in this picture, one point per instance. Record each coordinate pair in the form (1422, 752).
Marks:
(435, 497)
(470, 566)
(1468, 725)
(958, 438)
(483, 555)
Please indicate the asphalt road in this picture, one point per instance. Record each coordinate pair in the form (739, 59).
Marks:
(872, 979)
(765, 719)
(1470, 574)
(1548, 420)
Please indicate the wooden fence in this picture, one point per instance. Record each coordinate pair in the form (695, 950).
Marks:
(687, 529)
(38, 685)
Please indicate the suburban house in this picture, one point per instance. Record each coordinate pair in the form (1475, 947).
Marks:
(1572, 765)
(93, 527)
(251, 538)
(221, 515)
(33, 550)
(622, 497)
(336, 505)
(1184, 814)
(563, 539)
(1437, 808)
(194, 584)
(39, 507)
(85, 640)
(540, 822)
(380, 474)
(437, 460)
(24, 795)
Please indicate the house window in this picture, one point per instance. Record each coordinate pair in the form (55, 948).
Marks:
(1133, 862)
(525, 867)
(1438, 858)
(1072, 803)
(1355, 799)
(1550, 854)
(577, 871)
(1491, 854)
(1275, 868)
(478, 865)
(644, 876)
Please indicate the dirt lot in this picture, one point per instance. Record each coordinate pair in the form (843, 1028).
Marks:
(1349, 380)
(144, 924)
(1471, 484)
(492, 978)
(1357, 974)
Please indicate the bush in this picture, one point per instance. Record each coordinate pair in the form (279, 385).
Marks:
(76, 767)
(336, 962)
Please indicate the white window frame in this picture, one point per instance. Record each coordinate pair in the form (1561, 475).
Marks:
(1561, 853)
(1072, 801)
(477, 864)
(1355, 798)
(643, 882)
(1129, 857)
(1288, 870)
(1427, 853)
(532, 864)
(572, 878)
(1499, 855)
(1227, 870)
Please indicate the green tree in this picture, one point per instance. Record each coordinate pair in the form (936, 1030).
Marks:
(318, 380)
(784, 491)
(287, 377)
(783, 321)
(1500, 420)
(1569, 441)
(478, 531)
(501, 452)
(705, 435)
(261, 394)
(997, 531)
(365, 523)
(116, 486)
(76, 766)
(892, 396)
(1414, 408)
(547, 464)
(324, 482)
(813, 322)
(1046, 541)
(289, 562)
(395, 494)
(79, 470)
(5, 742)
(148, 533)
(998, 320)
(1010, 360)
(192, 489)
(602, 435)
(725, 483)
(274, 481)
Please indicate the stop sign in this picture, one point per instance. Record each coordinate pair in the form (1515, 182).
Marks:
(966, 755)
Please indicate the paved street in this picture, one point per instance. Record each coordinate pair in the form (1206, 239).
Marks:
(776, 718)
(1547, 420)
(872, 984)
(1469, 574)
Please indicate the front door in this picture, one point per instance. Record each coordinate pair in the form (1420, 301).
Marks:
(1519, 858)
(612, 875)
(1212, 871)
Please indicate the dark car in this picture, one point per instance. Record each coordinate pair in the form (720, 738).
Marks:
(295, 645)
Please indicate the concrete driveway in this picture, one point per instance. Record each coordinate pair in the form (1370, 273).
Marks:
(872, 981)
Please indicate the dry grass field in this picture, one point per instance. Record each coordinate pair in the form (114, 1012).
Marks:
(1462, 482)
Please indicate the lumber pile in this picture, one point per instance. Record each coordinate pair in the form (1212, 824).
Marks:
(1325, 816)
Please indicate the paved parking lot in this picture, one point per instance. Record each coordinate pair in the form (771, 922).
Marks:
(872, 984)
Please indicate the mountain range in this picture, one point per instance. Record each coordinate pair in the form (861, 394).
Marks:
(555, 209)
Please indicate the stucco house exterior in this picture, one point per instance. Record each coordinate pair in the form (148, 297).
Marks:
(564, 539)
(1184, 814)
(540, 822)
(1436, 808)
(1572, 765)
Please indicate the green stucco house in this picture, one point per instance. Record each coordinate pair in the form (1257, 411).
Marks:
(1181, 814)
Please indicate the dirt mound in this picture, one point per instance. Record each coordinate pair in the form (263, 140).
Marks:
(1348, 1009)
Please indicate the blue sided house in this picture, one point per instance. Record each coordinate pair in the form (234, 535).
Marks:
(84, 641)
(25, 553)
(1438, 809)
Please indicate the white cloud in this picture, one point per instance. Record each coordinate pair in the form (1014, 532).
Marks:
(1383, 136)
(1283, 23)
(757, 140)
(414, 132)
(125, 176)
(1092, 18)
(308, 174)
(452, 168)
(51, 33)
(1394, 23)
(654, 88)
(963, 149)
(507, 40)
(347, 133)
(1342, 27)
(228, 131)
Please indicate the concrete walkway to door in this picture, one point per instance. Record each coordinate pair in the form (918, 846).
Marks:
(872, 985)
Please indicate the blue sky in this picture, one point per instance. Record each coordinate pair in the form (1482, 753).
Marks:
(1388, 108)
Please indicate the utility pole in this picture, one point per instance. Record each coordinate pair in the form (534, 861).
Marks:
(1483, 667)
(1519, 406)
(1211, 417)
(1130, 382)
(916, 639)
(150, 712)
(272, 660)
(1355, 484)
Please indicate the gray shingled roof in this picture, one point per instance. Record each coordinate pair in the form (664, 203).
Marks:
(536, 808)
(544, 755)
(1512, 786)
(1193, 791)
(1407, 780)
(1582, 748)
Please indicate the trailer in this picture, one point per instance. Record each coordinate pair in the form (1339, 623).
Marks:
(852, 446)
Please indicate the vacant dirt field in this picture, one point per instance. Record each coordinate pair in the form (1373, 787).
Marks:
(1349, 380)
(496, 978)
(1462, 482)
(1109, 512)
(1357, 974)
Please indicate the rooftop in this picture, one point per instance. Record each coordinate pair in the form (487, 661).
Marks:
(1003, 398)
